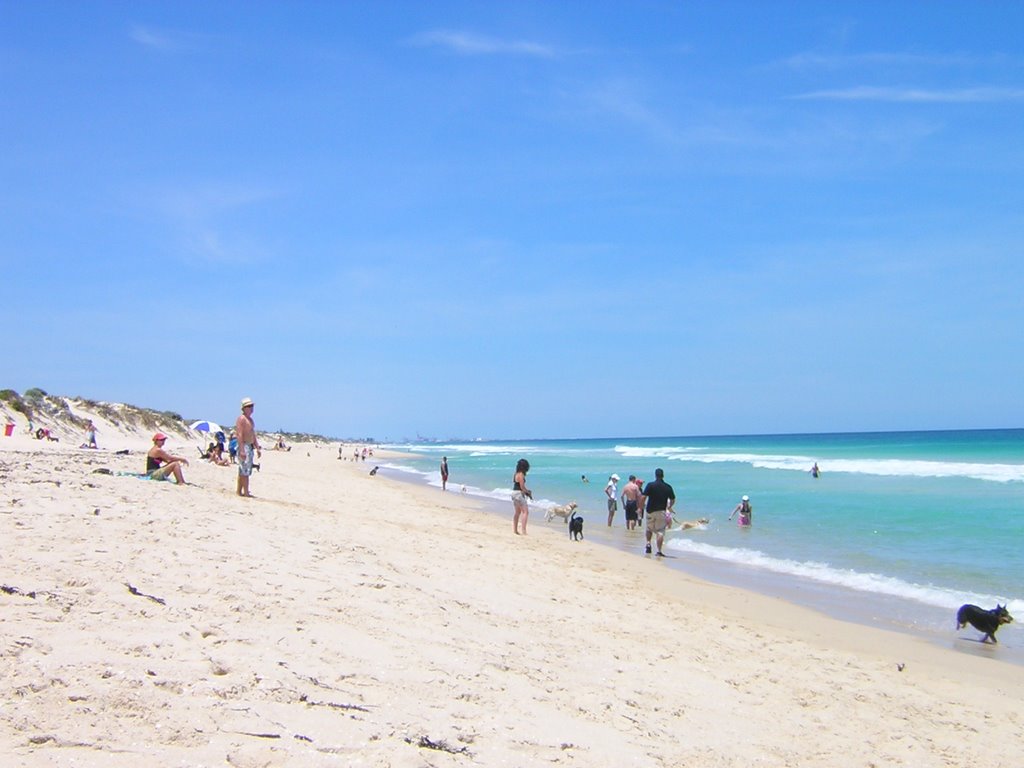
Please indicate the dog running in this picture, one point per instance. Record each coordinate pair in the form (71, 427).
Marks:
(982, 620)
(685, 525)
(575, 526)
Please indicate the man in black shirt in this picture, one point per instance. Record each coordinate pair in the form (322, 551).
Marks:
(659, 499)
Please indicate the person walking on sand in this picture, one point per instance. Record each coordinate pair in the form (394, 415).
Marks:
(90, 435)
(630, 501)
(444, 473)
(160, 464)
(520, 496)
(611, 490)
(746, 512)
(248, 446)
(659, 499)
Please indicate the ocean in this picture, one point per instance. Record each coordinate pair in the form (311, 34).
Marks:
(898, 530)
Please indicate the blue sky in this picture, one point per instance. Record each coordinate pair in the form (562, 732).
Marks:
(524, 219)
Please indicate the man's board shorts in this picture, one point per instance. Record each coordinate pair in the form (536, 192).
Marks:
(656, 522)
(245, 465)
(631, 510)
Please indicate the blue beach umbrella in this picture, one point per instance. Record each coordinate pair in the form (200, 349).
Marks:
(211, 427)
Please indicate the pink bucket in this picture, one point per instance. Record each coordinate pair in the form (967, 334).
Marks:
(8, 430)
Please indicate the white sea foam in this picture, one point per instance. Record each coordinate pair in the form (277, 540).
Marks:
(433, 478)
(1001, 473)
(483, 449)
(410, 471)
(823, 573)
(475, 451)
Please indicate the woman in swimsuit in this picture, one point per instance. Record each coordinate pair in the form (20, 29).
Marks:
(160, 464)
(520, 494)
(746, 512)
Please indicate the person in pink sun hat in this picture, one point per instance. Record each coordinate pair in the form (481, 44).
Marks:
(160, 465)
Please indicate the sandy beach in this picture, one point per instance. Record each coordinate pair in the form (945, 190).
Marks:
(340, 619)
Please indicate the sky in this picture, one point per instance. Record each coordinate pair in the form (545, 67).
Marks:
(518, 219)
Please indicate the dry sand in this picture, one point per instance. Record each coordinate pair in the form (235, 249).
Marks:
(339, 619)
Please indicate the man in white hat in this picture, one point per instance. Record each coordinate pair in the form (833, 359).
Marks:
(248, 446)
(612, 492)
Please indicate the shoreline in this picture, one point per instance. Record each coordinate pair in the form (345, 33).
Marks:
(844, 604)
(690, 576)
(343, 617)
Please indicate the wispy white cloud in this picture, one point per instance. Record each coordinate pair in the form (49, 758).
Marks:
(917, 95)
(217, 248)
(471, 44)
(207, 201)
(626, 101)
(810, 60)
(215, 222)
(153, 38)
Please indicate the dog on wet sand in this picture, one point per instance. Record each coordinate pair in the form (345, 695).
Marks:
(982, 620)
(560, 510)
(575, 526)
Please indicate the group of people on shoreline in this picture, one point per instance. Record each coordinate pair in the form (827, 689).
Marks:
(357, 455)
(161, 465)
(654, 501)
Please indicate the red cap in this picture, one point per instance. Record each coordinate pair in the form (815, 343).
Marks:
(159, 436)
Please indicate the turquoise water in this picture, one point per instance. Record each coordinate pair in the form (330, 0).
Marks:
(908, 524)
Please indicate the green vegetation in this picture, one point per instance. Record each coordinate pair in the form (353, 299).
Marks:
(14, 400)
(53, 410)
(105, 411)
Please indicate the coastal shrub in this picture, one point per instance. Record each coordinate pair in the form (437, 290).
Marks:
(147, 419)
(142, 418)
(34, 393)
(14, 400)
(105, 411)
(58, 409)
